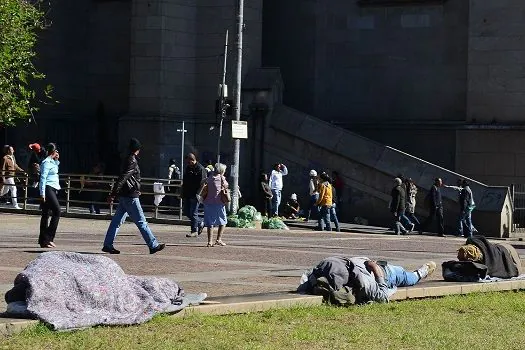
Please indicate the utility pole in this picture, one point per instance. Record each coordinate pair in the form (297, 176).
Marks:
(222, 103)
(237, 108)
(183, 131)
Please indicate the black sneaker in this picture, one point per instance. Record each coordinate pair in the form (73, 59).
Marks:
(157, 248)
(110, 250)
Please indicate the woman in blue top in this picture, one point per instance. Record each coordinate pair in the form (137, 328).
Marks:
(49, 187)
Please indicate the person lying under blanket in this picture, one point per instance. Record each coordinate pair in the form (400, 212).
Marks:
(479, 258)
(359, 280)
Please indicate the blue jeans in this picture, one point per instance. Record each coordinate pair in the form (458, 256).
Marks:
(312, 208)
(412, 217)
(396, 276)
(191, 210)
(333, 217)
(324, 219)
(129, 206)
(465, 221)
(276, 202)
(404, 219)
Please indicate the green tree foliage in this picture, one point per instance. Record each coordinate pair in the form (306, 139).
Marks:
(20, 22)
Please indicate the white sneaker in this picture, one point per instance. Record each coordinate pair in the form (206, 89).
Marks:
(17, 207)
(426, 270)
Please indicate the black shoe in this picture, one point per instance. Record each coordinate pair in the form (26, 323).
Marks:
(157, 248)
(441, 235)
(110, 250)
(201, 227)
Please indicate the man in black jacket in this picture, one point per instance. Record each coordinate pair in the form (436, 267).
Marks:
(397, 206)
(127, 188)
(434, 201)
(194, 175)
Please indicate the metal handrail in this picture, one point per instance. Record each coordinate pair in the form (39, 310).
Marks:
(76, 183)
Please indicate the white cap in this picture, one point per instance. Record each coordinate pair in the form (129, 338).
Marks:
(313, 173)
(293, 196)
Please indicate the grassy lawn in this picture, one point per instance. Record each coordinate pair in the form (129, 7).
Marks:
(477, 321)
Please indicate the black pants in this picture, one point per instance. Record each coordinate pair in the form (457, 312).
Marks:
(48, 228)
(266, 207)
(438, 213)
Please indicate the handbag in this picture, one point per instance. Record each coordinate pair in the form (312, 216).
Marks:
(225, 193)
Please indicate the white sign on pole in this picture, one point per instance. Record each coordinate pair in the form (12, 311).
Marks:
(239, 129)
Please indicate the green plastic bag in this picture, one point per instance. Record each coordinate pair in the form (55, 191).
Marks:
(274, 224)
(247, 212)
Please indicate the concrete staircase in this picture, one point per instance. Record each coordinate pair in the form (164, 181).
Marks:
(304, 142)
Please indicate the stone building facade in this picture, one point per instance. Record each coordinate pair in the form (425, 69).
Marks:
(442, 80)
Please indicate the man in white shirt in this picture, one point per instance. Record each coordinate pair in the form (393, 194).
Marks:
(276, 185)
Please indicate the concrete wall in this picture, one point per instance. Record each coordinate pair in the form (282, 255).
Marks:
(346, 63)
(368, 169)
(496, 57)
(494, 156)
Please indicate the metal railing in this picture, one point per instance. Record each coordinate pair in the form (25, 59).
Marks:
(517, 192)
(87, 190)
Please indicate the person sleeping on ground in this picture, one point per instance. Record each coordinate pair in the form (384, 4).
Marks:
(478, 259)
(359, 280)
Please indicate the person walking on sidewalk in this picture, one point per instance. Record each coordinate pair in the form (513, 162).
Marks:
(276, 184)
(325, 203)
(49, 186)
(127, 188)
(411, 202)
(214, 204)
(434, 201)
(9, 169)
(194, 175)
(466, 206)
(397, 206)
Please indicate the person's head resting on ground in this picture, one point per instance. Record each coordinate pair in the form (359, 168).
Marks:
(293, 197)
(313, 173)
(191, 159)
(51, 149)
(398, 181)
(220, 168)
(470, 252)
(438, 182)
(134, 146)
(35, 147)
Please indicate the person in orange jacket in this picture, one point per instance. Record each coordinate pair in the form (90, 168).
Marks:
(324, 203)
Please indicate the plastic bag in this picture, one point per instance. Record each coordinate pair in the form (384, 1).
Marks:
(257, 217)
(274, 224)
(247, 212)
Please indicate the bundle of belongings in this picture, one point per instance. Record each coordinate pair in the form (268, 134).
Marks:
(359, 280)
(480, 260)
(70, 290)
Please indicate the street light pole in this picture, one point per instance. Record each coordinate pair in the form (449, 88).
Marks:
(183, 131)
(237, 108)
(222, 102)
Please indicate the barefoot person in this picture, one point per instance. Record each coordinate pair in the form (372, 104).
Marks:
(49, 187)
(127, 188)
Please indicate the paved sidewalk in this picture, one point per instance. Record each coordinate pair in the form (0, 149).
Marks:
(255, 261)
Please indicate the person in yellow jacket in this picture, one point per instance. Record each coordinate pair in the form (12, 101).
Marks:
(324, 203)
